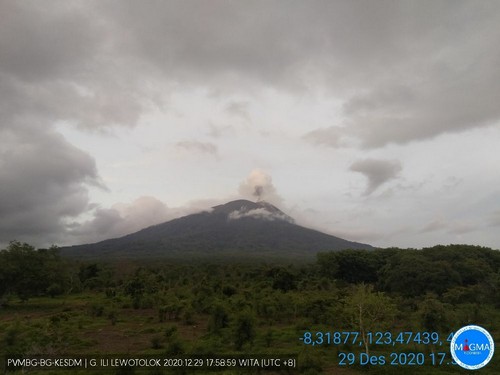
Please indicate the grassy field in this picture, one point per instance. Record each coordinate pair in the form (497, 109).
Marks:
(92, 324)
(230, 311)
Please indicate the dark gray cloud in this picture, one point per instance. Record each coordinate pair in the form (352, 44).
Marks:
(58, 64)
(284, 43)
(44, 183)
(204, 42)
(41, 42)
(376, 171)
(45, 63)
(404, 71)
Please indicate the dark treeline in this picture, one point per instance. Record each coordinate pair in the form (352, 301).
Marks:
(254, 307)
(461, 270)
(410, 273)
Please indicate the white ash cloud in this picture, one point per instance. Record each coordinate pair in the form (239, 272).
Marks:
(259, 186)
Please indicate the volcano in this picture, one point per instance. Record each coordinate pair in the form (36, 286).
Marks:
(236, 229)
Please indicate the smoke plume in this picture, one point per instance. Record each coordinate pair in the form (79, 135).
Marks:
(258, 191)
(259, 185)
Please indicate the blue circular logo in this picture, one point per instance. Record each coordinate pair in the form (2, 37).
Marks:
(472, 347)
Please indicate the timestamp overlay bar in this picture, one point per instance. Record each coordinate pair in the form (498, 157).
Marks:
(381, 348)
(263, 362)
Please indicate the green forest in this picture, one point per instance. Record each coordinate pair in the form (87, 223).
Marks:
(393, 300)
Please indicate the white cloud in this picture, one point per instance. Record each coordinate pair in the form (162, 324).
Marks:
(258, 213)
(122, 219)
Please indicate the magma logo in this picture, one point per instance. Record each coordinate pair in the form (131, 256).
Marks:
(472, 347)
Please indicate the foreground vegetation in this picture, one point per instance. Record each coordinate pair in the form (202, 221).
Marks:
(55, 306)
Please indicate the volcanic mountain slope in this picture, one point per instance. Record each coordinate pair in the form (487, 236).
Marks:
(238, 228)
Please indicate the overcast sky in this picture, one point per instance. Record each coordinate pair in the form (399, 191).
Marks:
(376, 121)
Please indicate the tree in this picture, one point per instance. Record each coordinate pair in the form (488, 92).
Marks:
(357, 266)
(328, 264)
(411, 274)
(219, 319)
(285, 281)
(353, 266)
(435, 315)
(368, 311)
(28, 272)
(244, 329)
